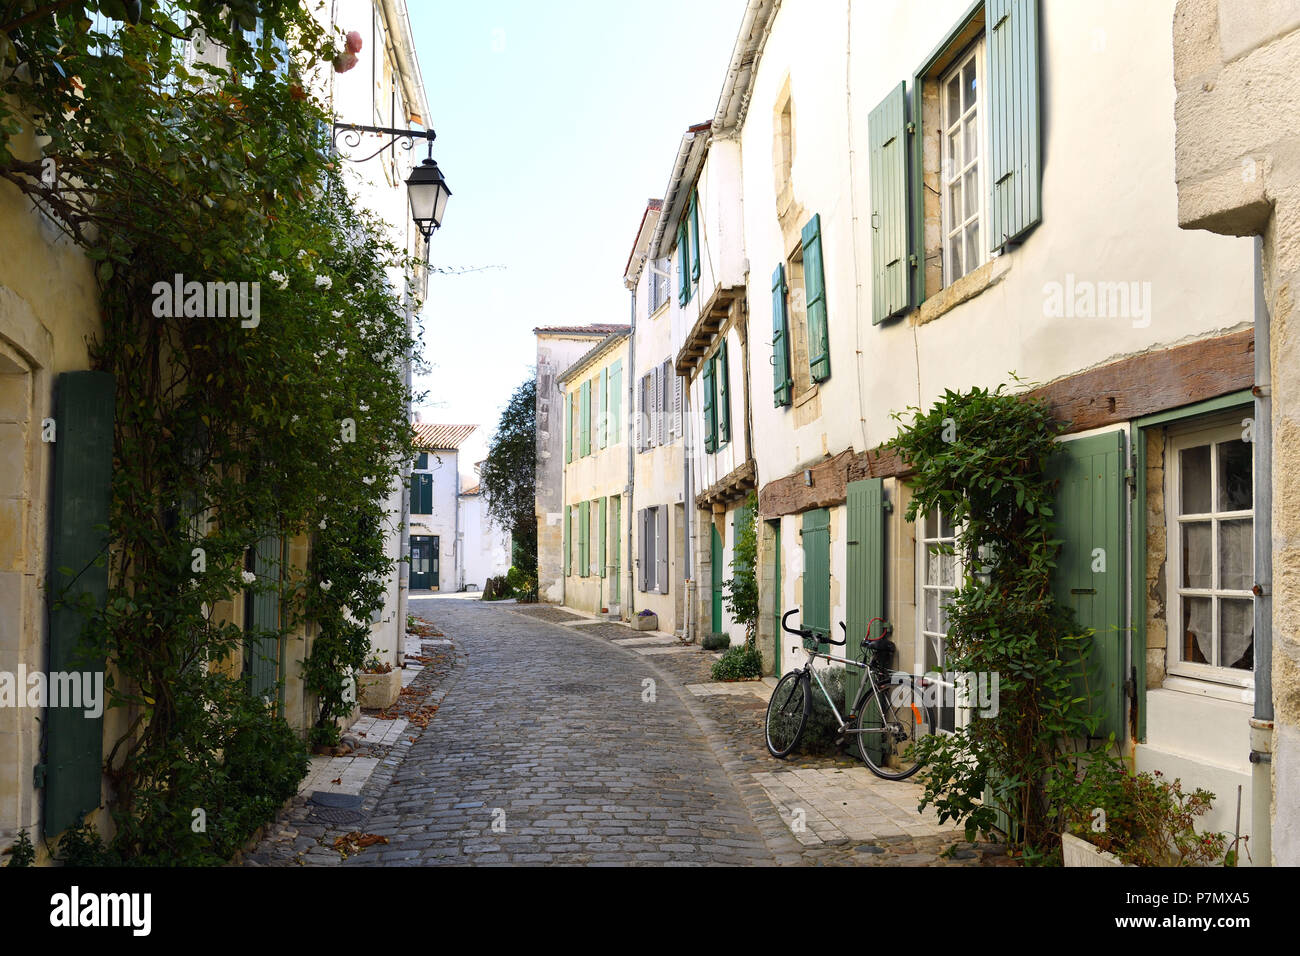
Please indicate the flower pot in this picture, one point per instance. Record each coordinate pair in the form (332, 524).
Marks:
(379, 691)
(1078, 852)
(645, 622)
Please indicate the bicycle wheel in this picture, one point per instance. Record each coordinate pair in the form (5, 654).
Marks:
(886, 742)
(787, 712)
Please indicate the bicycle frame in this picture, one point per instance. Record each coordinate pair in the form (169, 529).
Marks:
(869, 684)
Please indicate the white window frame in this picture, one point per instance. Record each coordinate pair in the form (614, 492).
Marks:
(950, 177)
(925, 637)
(659, 281)
(1202, 433)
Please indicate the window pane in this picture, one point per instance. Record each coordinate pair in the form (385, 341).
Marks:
(955, 218)
(947, 565)
(945, 599)
(1236, 555)
(968, 85)
(1235, 492)
(1237, 633)
(931, 610)
(954, 257)
(973, 245)
(1197, 555)
(945, 525)
(1195, 470)
(954, 99)
(952, 162)
(970, 188)
(932, 525)
(970, 139)
(1198, 626)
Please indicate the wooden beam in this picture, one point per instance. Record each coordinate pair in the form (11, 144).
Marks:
(1108, 395)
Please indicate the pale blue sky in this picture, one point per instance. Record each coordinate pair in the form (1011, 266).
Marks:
(556, 122)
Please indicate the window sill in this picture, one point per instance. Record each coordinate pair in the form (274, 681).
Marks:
(803, 398)
(964, 289)
(663, 307)
(1233, 693)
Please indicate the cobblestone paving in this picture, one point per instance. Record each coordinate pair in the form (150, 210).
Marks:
(545, 750)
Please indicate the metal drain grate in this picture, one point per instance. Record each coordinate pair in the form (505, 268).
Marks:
(335, 815)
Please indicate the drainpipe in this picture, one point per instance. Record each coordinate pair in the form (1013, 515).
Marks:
(1261, 724)
(631, 474)
(688, 479)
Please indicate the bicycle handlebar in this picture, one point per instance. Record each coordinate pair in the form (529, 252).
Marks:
(807, 633)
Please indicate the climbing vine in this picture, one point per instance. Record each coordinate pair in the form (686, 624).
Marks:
(281, 414)
(981, 458)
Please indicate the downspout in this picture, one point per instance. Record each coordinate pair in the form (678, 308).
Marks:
(631, 476)
(1261, 724)
(688, 475)
(404, 532)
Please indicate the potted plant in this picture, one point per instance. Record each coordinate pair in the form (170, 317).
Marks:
(646, 620)
(378, 685)
(1124, 819)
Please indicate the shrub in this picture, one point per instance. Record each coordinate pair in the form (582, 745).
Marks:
(716, 642)
(1143, 819)
(522, 584)
(496, 589)
(823, 731)
(738, 663)
(22, 853)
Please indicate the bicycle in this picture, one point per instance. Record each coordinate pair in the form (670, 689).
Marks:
(888, 716)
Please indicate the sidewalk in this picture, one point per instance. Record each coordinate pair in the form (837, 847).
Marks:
(823, 808)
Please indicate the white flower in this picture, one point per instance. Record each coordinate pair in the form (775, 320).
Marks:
(359, 287)
(325, 585)
(302, 253)
(323, 523)
(280, 279)
(294, 419)
(324, 282)
(367, 480)
(343, 353)
(364, 407)
(337, 313)
(248, 576)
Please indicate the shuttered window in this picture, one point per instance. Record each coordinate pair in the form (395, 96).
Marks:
(616, 402)
(710, 410)
(816, 610)
(814, 282)
(865, 565)
(683, 265)
(602, 417)
(782, 384)
(422, 494)
(661, 549)
(723, 375)
(695, 237)
(891, 252)
(584, 420)
(568, 538)
(584, 540)
(422, 461)
(568, 426)
(1015, 151)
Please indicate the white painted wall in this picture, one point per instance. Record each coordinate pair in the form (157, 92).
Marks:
(443, 465)
(484, 547)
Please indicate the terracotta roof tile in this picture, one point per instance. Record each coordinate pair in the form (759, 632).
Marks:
(429, 436)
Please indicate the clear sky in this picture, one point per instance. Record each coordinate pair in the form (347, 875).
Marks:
(556, 122)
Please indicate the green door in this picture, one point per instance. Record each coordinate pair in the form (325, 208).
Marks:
(816, 610)
(716, 562)
(262, 618)
(778, 665)
(424, 562)
(865, 560)
(1090, 571)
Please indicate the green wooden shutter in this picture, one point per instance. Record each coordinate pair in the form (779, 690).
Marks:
(422, 462)
(616, 519)
(723, 375)
(584, 421)
(890, 248)
(568, 426)
(603, 416)
(814, 283)
(695, 237)
(616, 402)
(710, 410)
(715, 577)
(782, 384)
(816, 611)
(79, 507)
(422, 494)
(1089, 518)
(865, 558)
(1015, 153)
(604, 532)
(568, 547)
(262, 619)
(584, 540)
(683, 265)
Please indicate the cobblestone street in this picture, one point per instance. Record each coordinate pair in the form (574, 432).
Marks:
(553, 744)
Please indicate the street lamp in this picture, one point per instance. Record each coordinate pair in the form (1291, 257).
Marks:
(426, 186)
(429, 193)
